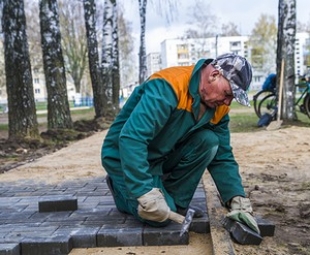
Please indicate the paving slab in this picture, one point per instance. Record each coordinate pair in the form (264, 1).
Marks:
(241, 233)
(58, 204)
(89, 219)
(9, 249)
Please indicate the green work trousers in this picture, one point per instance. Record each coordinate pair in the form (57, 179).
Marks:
(181, 174)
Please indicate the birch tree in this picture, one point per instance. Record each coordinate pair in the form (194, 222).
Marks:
(73, 40)
(2, 64)
(58, 116)
(115, 57)
(285, 51)
(109, 60)
(142, 48)
(2, 71)
(33, 33)
(100, 98)
(263, 44)
(107, 48)
(203, 22)
(166, 8)
(128, 70)
(230, 29)
(22, 112)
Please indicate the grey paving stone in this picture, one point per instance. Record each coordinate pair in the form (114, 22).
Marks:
(57, 204)
(200, 225)
(9, 249)
(4, 201)
(122, 235)
(266, 227)
(96, 222)
(81, 237)
(19, 233)
(169, 235)
(55, 245)
(241, 233)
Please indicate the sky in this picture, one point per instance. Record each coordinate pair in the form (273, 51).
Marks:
(244, 13)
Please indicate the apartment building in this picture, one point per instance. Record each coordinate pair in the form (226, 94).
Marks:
(38, 81)
(39, 87)
(302, 53)
(153, 62)
(178, 52)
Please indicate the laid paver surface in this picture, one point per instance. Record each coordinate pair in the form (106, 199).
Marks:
(26, 230)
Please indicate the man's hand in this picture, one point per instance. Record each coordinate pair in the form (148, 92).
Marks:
(153, 206)
(241, 210)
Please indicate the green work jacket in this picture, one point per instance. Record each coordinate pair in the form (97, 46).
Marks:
(160, 114)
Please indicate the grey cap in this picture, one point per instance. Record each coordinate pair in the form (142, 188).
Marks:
(238, 71)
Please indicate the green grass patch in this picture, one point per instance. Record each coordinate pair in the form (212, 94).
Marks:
(87, 113)
(243, 119)
(303, 118)
(43, 105)
(243, 122)
(4, 127)
(235, 105)
(90, 112)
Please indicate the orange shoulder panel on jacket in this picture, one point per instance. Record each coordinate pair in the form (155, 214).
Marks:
(220, 112)
(178, 78)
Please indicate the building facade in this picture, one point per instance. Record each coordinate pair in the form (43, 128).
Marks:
(179, 52)
(302, 54)
(153, 62)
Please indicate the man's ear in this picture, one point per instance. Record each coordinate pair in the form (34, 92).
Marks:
(215, 73)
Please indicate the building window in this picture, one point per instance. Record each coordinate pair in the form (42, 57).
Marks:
(183, 56)
(235, 43)
(182, 47)
(183, 64)
(37, 91)
(36, 80)
(256, 78)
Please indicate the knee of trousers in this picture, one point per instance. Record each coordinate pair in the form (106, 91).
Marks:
(205, 142)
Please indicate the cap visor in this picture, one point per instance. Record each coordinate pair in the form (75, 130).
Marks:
(240, 95)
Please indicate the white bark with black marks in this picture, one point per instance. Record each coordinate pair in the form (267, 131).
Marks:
(58, 106)
(22, 111)
(286, 51)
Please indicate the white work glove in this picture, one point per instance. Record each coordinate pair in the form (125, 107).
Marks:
(153, 206)
(241, 210)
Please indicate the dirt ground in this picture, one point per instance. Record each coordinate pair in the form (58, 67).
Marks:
(275, 170)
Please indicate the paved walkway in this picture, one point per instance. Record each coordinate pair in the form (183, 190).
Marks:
(96, 222)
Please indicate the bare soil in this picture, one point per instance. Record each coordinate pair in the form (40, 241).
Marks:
(274, 166)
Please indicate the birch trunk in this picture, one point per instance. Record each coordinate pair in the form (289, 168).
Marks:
(22, 110)
(142, 49)
(100, 99)
(285, 51)
(58, 115)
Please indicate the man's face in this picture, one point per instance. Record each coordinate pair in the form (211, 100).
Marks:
(214, 88)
